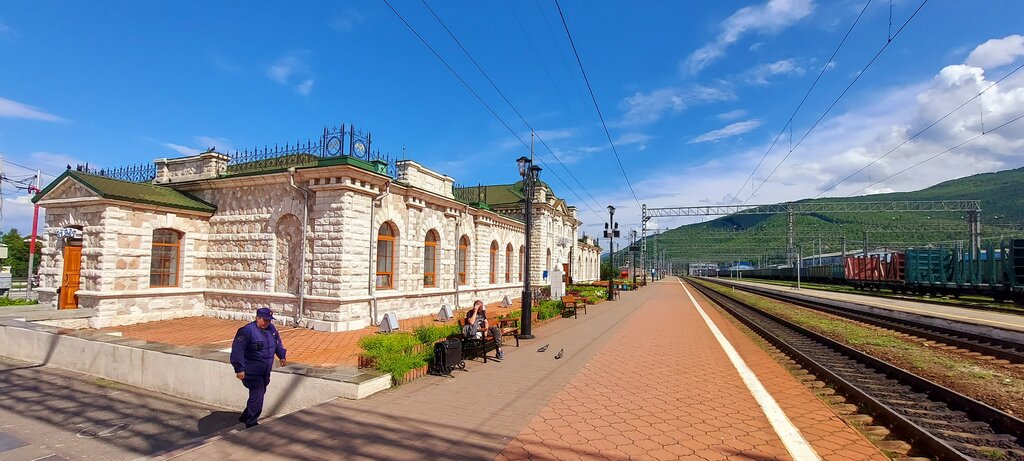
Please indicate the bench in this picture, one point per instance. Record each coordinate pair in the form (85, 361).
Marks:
(478, 347)
(574, 303)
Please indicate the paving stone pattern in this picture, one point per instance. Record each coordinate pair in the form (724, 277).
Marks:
(642, 378)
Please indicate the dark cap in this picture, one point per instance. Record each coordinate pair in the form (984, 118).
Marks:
(264, 313)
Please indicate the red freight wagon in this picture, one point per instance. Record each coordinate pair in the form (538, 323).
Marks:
(880, 269)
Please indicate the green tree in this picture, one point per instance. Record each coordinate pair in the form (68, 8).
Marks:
(17, 253)
(607, 271)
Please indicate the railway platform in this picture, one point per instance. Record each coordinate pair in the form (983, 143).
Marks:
(658, 374)
(1006, 321)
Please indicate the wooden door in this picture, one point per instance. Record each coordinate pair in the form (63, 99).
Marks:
(72, 277)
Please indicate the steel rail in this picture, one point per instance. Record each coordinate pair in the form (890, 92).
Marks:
(935, 419)
(1001, 348)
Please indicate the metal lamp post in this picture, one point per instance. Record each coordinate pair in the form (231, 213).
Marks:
(530, 174)
(611, 230)
(632, 252)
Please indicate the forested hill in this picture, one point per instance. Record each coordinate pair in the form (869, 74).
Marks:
(763, 237)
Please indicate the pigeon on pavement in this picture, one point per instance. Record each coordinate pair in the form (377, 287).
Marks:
(543, 348)
(559, 354)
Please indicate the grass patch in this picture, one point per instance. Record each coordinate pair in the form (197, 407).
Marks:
(5, 301)
(981, 380)
(429, 334)
(105, 382)
(992, 453)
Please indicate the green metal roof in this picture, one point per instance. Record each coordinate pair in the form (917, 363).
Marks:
(135, 192)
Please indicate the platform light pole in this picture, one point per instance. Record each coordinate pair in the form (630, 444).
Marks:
(633, 254)
(530, 174)
(611, 230)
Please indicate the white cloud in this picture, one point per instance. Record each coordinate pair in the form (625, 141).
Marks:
(732, 114)
(554, 135)
(183, 150)
(346, 21)
(642, 108)
(305, 87)
(728, 131)
(771, 17)
(291, 68)
(14, 109)
(997, 52)
(845, 143)
(631, 138)
(760, 74)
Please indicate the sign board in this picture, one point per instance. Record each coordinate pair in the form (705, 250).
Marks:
(69, 232)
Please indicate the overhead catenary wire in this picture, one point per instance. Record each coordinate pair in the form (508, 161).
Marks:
(478, 97)
(596, 105)
(507, 101)
(789, 122)
(933, 157)
(840, 97)
(851, 175)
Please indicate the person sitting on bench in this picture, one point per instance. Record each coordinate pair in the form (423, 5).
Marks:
(476, 324)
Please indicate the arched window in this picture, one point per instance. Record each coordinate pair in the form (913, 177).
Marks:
(548, 261)
(494, 262)
(508, 263)
(386, 257)
(522, 261)
(462, 259)
(166, 257)
(430, 260)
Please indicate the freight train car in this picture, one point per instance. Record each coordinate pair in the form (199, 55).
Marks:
(994, 271)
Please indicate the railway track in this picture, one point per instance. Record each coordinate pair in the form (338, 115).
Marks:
(1008, 347)
(937, 421)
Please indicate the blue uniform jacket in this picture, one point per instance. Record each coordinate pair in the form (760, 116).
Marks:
(253, 349)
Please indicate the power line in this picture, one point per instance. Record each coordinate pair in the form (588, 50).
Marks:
(808, 93)
(513, 107)
(922, 131)
(28, 168)
(477, 95)
(938, 154)
(830, 107)
(596, 106)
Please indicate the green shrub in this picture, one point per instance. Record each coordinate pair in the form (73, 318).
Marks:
(400, 364)
(549, 308)
(5, 301)
(382, 346)
(429, 334)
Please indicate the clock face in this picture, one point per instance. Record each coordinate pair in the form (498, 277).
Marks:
(359, 148)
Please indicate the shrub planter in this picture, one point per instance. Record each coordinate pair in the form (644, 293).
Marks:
(413, 374)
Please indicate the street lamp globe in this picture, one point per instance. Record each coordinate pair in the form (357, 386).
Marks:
(611, 210)
(524, 165)
(535, 172)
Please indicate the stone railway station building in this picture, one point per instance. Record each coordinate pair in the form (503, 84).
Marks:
(328, 239)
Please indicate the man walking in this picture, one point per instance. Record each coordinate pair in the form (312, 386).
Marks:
(252, 356)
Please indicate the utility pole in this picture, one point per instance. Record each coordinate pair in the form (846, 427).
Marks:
(843, 238)
(865, 245)
(32, 243)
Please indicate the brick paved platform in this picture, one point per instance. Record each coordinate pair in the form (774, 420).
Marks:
(305, 346)
(641, 378)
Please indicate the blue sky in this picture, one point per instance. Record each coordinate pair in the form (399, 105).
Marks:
(693, 93)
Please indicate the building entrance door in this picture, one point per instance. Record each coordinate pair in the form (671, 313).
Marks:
(71, 278)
